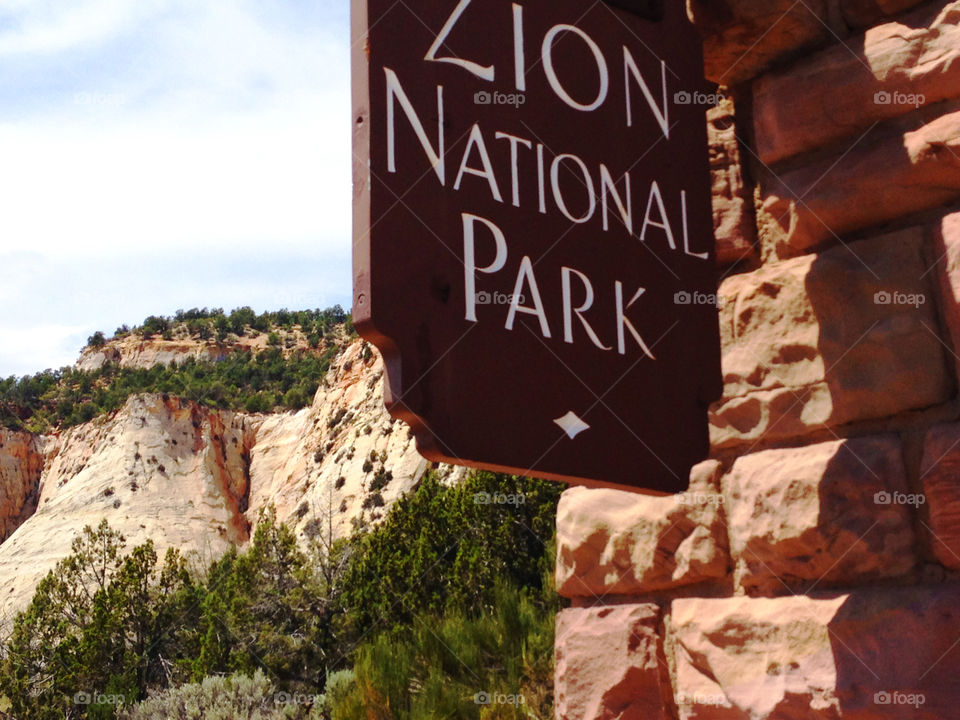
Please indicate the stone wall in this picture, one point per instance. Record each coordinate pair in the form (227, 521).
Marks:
(812, 570)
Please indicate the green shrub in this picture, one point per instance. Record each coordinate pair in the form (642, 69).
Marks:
(153, 325)
(381, 479)
(242, 380)
(94, 629)
(448, 666)
(266, 608)
(449, 597)
(441, 547)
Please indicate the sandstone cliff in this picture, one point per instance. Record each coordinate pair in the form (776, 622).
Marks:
(132, 350)
(196, 479)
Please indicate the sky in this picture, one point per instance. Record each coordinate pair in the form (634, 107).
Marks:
(166, 154)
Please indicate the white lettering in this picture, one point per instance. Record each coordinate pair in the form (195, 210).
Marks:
(647, 222)
(624, 323)
(541, 181)
(686, 231)
(526, 275)
(514, 164)
(587, 181)
(470, 268)
(569, 311)
(547, 57)
(476, 139)
(519, 61)
(626, 210)
(484, 73)
(395, 90)
(630, 68)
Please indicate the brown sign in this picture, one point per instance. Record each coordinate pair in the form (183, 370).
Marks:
(533, 239)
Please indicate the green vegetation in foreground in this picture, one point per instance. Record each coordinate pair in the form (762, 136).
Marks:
(444, 605)
(277, 378)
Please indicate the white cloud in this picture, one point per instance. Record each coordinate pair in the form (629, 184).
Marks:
(45, 26)
(137, 130)
(27, 351)
(230, 132)
(251, 181)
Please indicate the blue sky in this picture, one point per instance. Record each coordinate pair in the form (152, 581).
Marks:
(165, 154)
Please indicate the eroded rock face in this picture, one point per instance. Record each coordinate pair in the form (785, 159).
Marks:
(732, 203)
(159, 468)
(820, 516)
(609, 664)
(754, 658)
(21, 462)
(133, 351)
(947, 250)
(940, 474)
(864, 13)
(839, 93)
(867, 654)
(611, 542)
(196, 479)
(824, 200)
(821, 341)
(321, 467)
(742, 37)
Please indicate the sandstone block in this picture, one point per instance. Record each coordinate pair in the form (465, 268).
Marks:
(611, 542)
(822, 341)
(840, 92)
(886, 176)
(864, 13)
(941, 485)
(609, 664)
(830, 514)
(732, 221)
(743, 37)
(947, 250)
(869, 655)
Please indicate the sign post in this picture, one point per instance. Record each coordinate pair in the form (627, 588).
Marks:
(533, 238)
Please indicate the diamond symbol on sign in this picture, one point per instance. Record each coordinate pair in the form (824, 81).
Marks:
(571, 424)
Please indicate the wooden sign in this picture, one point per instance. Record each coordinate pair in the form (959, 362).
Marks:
(533, 237)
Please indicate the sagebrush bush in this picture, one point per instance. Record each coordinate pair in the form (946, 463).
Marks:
(223, 698)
